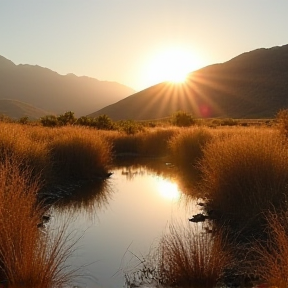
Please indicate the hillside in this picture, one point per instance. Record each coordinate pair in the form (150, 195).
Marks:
(16, 109)
(251, 85)
(57, 93)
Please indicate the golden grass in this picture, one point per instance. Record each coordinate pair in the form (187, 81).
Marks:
(186, 147)
(189, 258)
(151, 142)
(57, 154)
(272, 254)
(245, 174)
(28, 258)
(79, 153)
(154, 142)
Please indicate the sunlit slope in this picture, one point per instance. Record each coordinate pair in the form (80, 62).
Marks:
(251, 85)
(51, 91)
(16, 109)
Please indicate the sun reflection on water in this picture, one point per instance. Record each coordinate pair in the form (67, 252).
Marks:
(168, 190)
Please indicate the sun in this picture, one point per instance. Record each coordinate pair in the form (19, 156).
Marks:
(171, 65)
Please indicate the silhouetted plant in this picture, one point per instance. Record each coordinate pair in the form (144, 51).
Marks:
(130, 127)
(23, 120)
(67, 118)
(5, 118)
(49, 121)
(182, 119)
(103, 122)
(228, 122)
(84, 121)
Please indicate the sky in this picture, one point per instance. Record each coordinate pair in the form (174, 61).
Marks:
(137, 43)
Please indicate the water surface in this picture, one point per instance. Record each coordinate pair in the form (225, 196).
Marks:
(123, 223)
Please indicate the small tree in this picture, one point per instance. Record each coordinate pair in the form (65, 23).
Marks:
(49, 121)
(103, 122)
(67, 118)
(24, 120)
(84, 121)
(182, 119)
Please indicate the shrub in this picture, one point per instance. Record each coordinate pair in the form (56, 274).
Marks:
(182, 119)
(103, 122)
(24, 120)
(84, 121)
(68, 118)
(49, 121)
(130, 127)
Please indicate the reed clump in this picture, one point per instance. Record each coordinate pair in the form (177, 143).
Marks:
(15, 140)
(152, 142)
(155, 142)
(244, 175)
(57, 154)
(28, 258)
(122, 143)
(186, 146)
(79, 153)
(272, 254)
(189, 258)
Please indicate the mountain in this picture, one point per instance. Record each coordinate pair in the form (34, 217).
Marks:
(17, 109)
(251, 85)
(57, 93)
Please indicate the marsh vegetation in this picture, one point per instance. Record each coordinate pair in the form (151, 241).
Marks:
(239, 172)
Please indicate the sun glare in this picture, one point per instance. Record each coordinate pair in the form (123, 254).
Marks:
(171, 65)
(168, 190)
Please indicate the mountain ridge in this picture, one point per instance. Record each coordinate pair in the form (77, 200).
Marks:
(251, 85)
(44, 88)
(16, 109)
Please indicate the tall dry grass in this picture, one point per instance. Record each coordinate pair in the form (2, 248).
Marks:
(28, 258)
(244, 175)
(272, 254)
(152, 142)
(15, 140)
(79, 153)
(57, 154)
(189, 258)
(186, 147)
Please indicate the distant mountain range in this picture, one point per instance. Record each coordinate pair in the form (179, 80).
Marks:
(50, 91)
(17, 109)
(251, 85)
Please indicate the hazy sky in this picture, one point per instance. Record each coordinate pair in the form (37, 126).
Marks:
(127, 40)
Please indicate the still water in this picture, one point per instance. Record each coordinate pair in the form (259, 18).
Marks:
(121, 225)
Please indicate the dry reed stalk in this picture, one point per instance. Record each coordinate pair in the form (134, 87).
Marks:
(28, 258)
(79, 153)
(186, 146)
(272, 254)
(245, 174)
(189, 258)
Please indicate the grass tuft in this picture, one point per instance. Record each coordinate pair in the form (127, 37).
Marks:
(28, 258)
(189, 258)
(244, 175)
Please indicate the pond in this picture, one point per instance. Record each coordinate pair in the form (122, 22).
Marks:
(120, 225)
